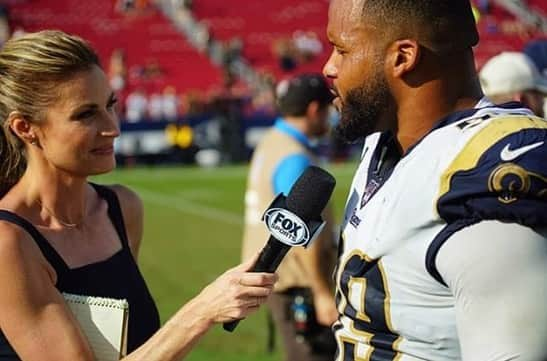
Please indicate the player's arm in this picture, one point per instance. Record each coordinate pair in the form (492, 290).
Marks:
(33, 314)
(497, 273)
(133, 215)
(317, 260)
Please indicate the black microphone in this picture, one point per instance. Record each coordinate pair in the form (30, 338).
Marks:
(294, 220)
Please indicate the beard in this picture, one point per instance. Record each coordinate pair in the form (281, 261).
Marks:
(363, 109)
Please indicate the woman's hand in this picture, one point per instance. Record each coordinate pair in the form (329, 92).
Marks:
(236, 293)
(232, 296)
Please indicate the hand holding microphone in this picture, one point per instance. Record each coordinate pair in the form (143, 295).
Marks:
(293, 220)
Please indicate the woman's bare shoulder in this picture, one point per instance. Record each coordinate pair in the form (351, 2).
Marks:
(132, 210)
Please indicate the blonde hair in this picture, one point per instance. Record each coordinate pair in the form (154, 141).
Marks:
(31, 68)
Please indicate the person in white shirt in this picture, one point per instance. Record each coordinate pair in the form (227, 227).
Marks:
(136, 106)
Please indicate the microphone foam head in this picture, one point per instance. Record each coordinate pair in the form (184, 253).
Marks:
(310, 193)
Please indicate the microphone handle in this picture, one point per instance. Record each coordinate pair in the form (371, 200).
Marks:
(269, 259)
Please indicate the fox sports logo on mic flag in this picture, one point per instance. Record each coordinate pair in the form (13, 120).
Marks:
(286, 227)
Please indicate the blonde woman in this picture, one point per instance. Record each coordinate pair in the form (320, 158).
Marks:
(59, 233)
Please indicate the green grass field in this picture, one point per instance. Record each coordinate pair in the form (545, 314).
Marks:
(193, 228)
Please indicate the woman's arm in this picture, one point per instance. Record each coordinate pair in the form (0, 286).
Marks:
(33, 314)
(39, 325)
(234, 295)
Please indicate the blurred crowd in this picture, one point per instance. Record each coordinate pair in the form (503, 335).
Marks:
(146, 94)
(302, 47)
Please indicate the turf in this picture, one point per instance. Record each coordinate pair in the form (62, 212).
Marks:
(193, 228)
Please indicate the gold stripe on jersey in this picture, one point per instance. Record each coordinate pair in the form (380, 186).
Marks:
(340, 268)
(492, 133)
(342, 347)
(387, 311)
(362, 284)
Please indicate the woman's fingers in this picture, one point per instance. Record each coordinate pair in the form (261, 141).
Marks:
(238, 293)
(247, 265)
(256, 292)
(257, 279)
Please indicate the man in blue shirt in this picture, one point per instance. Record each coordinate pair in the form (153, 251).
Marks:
(302, 306)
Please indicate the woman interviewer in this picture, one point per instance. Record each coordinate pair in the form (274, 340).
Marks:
(59, 233)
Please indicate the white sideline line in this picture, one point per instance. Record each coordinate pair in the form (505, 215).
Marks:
(190, 207)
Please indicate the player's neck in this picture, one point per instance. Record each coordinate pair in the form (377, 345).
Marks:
(430, 103)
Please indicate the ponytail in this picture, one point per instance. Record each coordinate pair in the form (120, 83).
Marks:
(12, 160)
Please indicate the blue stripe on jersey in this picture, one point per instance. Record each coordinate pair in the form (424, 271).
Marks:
(382, 163)
(288, 171)
(438, 242)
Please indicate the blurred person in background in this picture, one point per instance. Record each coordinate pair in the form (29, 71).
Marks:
(307, 44)
(155, 107)
(136, 106)
(283, 49)
(170, 104)
(302, 305)
(117, 70)
(443, 247)
(537, 52)
(512, 76)
(60, 233)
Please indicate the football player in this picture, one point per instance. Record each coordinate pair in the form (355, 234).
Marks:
(443, 251)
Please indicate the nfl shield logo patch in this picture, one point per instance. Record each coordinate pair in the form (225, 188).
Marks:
(370, 189)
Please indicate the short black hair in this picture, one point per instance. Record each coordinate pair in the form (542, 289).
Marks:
(295, 94)
(440, 25)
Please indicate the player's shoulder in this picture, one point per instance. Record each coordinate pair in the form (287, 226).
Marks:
(499, 171)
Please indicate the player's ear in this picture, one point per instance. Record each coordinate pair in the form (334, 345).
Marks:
(313, 109)
(403, 56)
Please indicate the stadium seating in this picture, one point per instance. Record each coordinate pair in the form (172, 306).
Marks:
(152, 37)
(496, 33)
(147, 37)
(260, 23)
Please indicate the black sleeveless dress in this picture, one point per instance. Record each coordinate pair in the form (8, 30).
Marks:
(116, 277)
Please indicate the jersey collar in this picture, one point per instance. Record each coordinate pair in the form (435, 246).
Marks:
(483, 106)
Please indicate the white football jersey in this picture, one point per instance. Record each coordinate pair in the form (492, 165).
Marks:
(484, 163)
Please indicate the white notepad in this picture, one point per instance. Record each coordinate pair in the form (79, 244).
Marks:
(104, 323)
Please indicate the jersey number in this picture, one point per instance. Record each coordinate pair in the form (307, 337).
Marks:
(362, 281)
